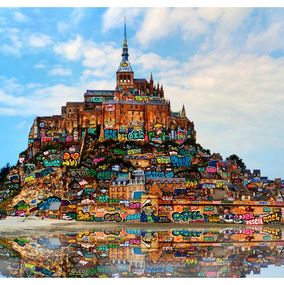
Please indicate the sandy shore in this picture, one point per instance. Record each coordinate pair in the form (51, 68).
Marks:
(12, 226)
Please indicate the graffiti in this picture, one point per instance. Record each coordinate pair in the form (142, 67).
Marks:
(29, 178)
(266, 209)
(163, 159)
(84, 216)
(45, 204)
(106, 247)
(257, 221)
(272, 218)
(134, 205)
(149, 212)
(98, 159)
(133, 151)
(191, 184)
(122, 137)
(136, 135)
(187, 216)
(104, 175)
(187, 233)
(133, 217)
(213, 219)
(22, 206)
(118, 151)
(103, 199)
(110, 134)
(71, 159)
(112, 217)
(211, 169)
(180, 161)
(208, 186)
(52, 163)
(159, 174)
(110, 108)
(96, 99)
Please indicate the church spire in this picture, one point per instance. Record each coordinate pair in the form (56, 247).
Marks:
(125, 45)
(124, 64)
(183, 113)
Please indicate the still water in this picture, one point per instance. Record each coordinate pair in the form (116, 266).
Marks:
(120, 252)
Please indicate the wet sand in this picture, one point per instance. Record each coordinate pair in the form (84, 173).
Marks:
(12, 226)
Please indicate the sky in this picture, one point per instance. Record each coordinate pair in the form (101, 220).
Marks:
(224, 64)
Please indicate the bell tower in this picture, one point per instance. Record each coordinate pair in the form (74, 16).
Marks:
(125, 74)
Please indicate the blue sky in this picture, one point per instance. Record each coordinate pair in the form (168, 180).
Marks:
(224, 64)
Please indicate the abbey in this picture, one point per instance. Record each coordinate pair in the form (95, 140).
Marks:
(135, 110)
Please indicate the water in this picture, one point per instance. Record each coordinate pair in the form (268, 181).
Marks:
(120, 252)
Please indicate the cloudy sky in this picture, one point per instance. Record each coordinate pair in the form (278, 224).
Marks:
(225, 64)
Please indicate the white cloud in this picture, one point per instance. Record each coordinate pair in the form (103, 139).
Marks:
(114, 17)
(236, 102)
(268, 40)
(39, 40)
(71, 50)
(151, 61)
(20, 17)
(63, 27)
(162, 22)
(41, 65)
(77, 15)
(74, 20)
(60, 71)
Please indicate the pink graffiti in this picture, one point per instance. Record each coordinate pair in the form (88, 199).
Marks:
(257, 221)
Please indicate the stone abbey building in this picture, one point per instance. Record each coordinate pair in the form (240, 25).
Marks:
(135, 110)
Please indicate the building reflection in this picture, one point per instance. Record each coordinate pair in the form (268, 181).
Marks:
(206, 253)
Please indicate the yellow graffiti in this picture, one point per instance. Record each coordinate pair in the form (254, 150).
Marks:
(29, 178)
(122, 137)
(84, 216)
(163, 159)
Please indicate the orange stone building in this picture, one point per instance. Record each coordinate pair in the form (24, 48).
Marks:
(135, 110)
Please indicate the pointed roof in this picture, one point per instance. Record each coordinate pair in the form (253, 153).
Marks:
(183, 113)
(125, 64)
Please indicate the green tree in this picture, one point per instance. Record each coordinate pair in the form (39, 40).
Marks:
(4, 172)
(239, 161)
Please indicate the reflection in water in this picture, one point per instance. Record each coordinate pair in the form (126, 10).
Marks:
(214, 252)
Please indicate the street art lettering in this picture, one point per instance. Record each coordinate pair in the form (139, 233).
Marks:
(104, 175)
(257, 221)
(29, 178)
(187, 216)
(112, 217)
(163, 159)
(110, 134)
(98, 160)
(52, 163)
(119, 151)
(210, 169)
(133, 151)
(272, 218)
(191, 184)
(84, 216)
(180, 161)
(159, 174)
(45, 204)
(122, 137)
(133, 217)
(71, 159)
(136, 135)
(187, 233)
(96, 99)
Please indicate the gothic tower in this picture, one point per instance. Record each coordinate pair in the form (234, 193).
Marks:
(125, 74)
